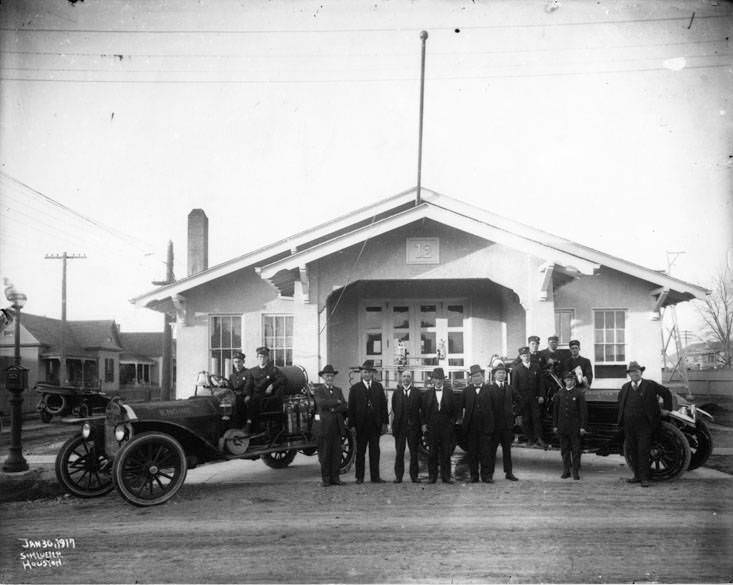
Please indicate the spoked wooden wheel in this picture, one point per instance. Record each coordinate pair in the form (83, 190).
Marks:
(279, 459)
(669, 456)
(83, 469)
(348, 450)
(150, 469)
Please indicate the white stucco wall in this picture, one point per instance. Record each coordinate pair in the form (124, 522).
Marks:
(614, 290)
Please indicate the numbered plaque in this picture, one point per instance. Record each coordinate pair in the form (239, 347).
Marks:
(423, 250)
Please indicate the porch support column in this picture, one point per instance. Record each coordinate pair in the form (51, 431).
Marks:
(540, 307)
(322, 337)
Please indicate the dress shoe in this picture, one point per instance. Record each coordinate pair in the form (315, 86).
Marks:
(358, 480)
(397, 481)
(473, 480)
(644, 483)
(415, 480)
(512, 477)
(378, 480)
(337, 482)
(325, 483)
(487, 480)
(448, 480)
(633, 480)
(576, 476)
(432, 480)
(565, 475)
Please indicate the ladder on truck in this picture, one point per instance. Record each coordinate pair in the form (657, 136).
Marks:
(680, 366)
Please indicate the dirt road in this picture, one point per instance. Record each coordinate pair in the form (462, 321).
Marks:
(243, 522)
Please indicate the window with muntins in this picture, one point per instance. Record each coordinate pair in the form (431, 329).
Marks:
(277, 334)
(564, 325)
(109, 370)
(609, 336)
(225, 337)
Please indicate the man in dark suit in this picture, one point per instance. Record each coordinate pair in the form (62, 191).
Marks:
(368, 415)
(478, 423)
(264, 386)
(237, 380)
(577, 363)
(438, 415)
(535, 355)
(529, 384)
(503, 401)
(639, 415)
(406, 427)
(328, 425)
(569, 418)
(554, 357)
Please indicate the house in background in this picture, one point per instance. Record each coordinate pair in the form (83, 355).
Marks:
(97, 355)
(703, 355)
(413, 286)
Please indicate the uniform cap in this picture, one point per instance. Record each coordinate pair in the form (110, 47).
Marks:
(532, 338)
(238, 355)
(574, 342)
(553, 338)
(263, 350)
(522, 350)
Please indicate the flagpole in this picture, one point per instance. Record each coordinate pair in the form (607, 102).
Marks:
(423, 37)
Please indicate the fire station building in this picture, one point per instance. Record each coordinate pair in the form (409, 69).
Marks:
(415, 286)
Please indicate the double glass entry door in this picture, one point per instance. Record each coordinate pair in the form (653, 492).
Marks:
(416, 336)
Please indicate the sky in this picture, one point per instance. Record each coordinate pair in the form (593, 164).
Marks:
(607, 123)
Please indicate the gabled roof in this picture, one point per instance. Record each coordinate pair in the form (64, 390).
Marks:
(148, 344)
(81, 337)
(398, 210)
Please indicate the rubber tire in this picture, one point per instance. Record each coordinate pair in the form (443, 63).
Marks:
(55, 403)
(135, 447)
(348, 451)
(279, 459)
(669, 441)
(84, 455)
(701, 445)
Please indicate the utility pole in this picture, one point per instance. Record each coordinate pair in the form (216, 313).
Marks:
(418, 200)
(62, 352)
(167, 361)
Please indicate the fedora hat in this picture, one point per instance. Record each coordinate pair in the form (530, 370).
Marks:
(438, 373)
(328, 369)
(368, 365)
(634, 365)
(499, 366)
(475, 369)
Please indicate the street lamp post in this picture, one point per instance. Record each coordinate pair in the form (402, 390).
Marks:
(16, 380)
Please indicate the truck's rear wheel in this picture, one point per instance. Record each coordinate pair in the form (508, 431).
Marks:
(701, 445)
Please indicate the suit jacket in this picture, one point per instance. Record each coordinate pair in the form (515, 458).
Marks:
(528, 382)
(238, 380)
(330, 408)
(502, 406)
(559, 356)
(569, 411)
(405, 412)
(571, 363)
(477, 403)
(259, 378)
(650, 390)
(449, 407)
(361, 414)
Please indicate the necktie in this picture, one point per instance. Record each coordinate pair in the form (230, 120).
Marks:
(407, 394)
(636, 386)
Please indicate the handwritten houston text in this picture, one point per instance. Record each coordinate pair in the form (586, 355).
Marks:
(44, 552)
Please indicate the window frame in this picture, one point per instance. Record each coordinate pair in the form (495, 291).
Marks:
(109, 370)
(276, 351)
(223, 350)
(604, 361)
(558, 332)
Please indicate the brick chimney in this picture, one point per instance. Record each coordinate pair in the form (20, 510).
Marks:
(198, 241)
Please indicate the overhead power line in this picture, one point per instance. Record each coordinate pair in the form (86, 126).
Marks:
(357, 80)
(144, 246)
(121, 55)
(138, 31)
